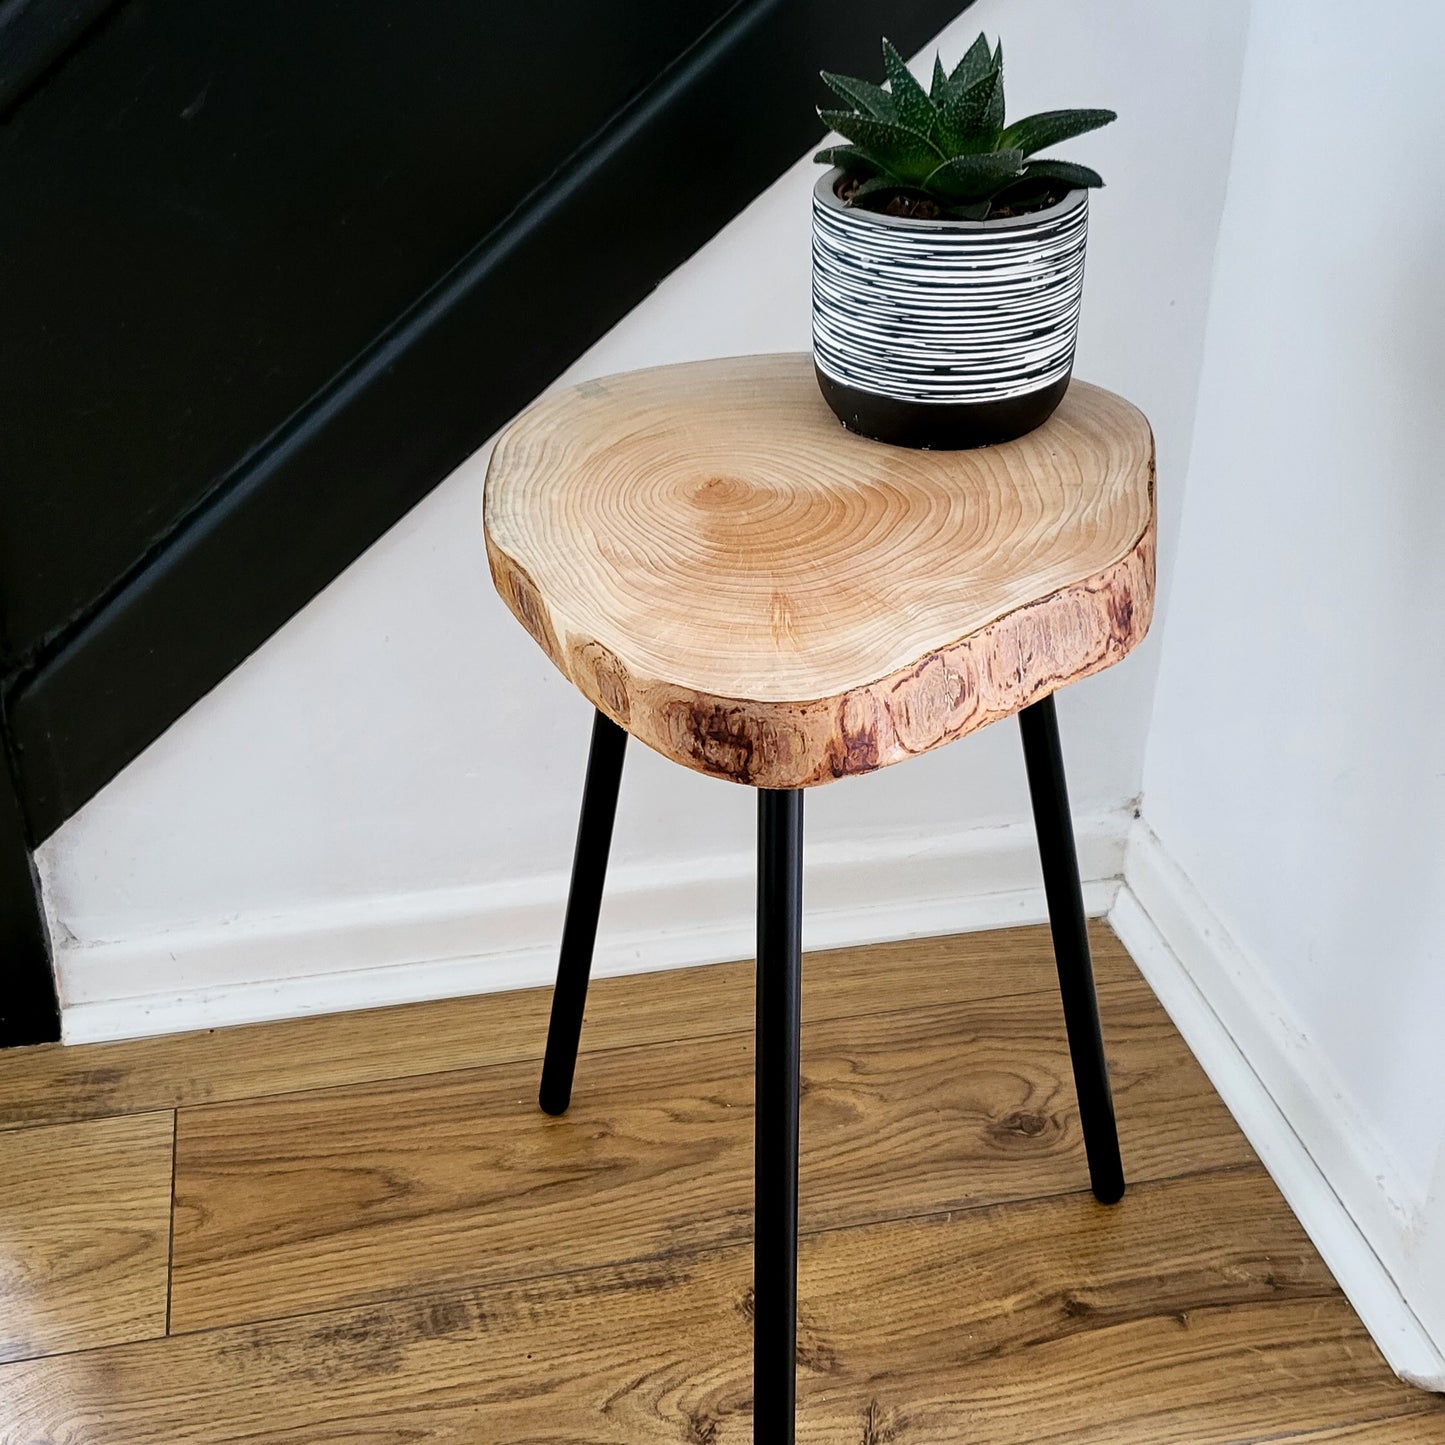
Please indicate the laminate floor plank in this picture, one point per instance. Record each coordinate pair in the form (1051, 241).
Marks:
(1193, 1313)
(54, 1083)
(310, 1201)
(85, 1212)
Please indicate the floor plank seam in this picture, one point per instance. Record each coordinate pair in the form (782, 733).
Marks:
(171, 1242)
(1303, 1437)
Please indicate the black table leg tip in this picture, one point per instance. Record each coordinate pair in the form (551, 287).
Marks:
(1109, 1191)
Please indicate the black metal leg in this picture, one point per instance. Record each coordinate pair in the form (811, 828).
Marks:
(1045, 762)
(584, 901)
(775, 1165)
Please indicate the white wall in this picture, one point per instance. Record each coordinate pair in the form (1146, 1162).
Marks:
(1295, 771)
(401, 750)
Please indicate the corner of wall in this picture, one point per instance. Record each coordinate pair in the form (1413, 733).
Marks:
(1335, 1175)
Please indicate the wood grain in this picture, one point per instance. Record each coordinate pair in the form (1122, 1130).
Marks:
(85, 1215)
(56, 1083)
(308, 1201)
(485, 1274)
(1195, 1313)
(763, 596)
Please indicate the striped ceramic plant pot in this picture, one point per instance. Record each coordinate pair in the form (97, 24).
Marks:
(945, 333)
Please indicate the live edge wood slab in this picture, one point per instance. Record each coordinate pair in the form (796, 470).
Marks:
(743, 585)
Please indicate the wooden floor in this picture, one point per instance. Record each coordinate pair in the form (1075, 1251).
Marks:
(360, 1228)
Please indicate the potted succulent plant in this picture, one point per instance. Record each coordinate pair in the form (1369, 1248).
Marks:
(948, 258)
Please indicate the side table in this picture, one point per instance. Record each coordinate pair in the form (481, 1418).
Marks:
(727, 575)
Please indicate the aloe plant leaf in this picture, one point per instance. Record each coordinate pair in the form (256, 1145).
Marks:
(951, 140)
(891, 146)
(1049, 127)
(910, 100)
(1025, 194)
(1065, 171)
(848, 158)
(993, 116)
(869, 98)
(873, 185)
(972, 178)
(976, 63)
(938, 89)
(962, 122)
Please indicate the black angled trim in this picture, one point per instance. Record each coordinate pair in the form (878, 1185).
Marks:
(164, 504)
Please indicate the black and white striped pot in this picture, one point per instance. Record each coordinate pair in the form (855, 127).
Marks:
(945, 333)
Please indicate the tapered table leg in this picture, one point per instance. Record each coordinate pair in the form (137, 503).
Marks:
(775, 1174)
(584, 902)
(1043, 756)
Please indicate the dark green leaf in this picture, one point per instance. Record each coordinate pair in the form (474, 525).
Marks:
(993, 117)
(1049, 127)
(1065, 171)
(975, 177)
(976, 63)
(869, 98)
(872, 187)
(847, 158)
(962, 126)
(892, 147)
(971, 211)
(910, 100)
(1025, 194)
(938, 91)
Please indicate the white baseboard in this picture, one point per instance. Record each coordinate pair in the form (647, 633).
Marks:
(478, 940)
(1322, 1156)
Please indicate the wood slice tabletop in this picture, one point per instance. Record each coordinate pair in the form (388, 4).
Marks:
(761, 595)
